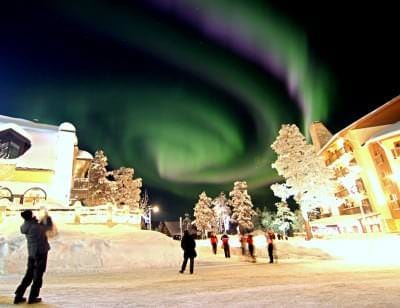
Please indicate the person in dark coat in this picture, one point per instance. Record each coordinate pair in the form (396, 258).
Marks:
(270, 235)
(243, 240)
(225, 245)
(189, 252)
(38, 248)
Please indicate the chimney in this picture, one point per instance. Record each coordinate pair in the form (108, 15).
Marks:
(320, 135)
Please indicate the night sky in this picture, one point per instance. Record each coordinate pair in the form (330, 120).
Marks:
(191, 93)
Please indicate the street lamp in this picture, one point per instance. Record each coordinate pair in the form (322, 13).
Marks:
(152, 208)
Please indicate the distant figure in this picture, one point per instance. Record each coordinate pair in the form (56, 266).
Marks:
(242, 239)
(189, 252)
(38, 248)
(225, 245)
(187, 222)
(48, 224)
(214, 242)
(270, 235)
(250, 245)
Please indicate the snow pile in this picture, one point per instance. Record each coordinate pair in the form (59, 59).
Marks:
(92, 248)
(365, 249)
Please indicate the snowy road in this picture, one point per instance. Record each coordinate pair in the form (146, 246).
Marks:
(219, 283)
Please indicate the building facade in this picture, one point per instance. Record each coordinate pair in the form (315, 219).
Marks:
(365, 158)
(41, 162)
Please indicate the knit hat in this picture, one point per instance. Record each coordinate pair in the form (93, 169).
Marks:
(27, 214)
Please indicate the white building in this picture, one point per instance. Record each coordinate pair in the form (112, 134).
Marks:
(41, 162)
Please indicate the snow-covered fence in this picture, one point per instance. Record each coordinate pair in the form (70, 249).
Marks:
(103, 214)
(107, 214)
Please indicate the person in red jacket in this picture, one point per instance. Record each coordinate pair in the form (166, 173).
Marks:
(214, 242)
(225, 245)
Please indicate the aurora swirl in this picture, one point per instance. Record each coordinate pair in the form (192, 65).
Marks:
(199, 112)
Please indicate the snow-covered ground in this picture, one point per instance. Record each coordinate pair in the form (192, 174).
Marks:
(99, 266)
(222, 284)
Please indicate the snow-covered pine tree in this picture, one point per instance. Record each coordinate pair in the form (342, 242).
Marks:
(242, 206)
(307, 177)
(127, 189)
(205, 217)
(100, 190)
(267, 219)
(281, 191)
(222, 211)
(144, 201)
(284, 217)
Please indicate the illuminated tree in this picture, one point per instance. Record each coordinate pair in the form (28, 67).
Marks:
(144, 201)
(222, 212)
(100, 190)
(242, 206)
(284, 217)
(127, 190)
(308, 180)
(205, 217)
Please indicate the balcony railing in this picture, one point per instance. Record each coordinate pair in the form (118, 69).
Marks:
(344, 210)
(80, 183)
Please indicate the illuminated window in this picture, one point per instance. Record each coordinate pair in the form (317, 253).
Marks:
(5, 193)
(360, 186)
(396, 150)
(348, 148)
(379, 159)
(366, 205)
(394, 200)
(34, 195)
(9, 149)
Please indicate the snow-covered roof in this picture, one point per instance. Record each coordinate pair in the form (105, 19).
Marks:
(26, 124)
(44, 139)
(84, 155)
(16, 128)
(173, 227)
(386, 114)
(67, 127)
(387, 132)
(364, 134)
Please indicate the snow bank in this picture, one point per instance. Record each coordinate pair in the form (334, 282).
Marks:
(366, 249)
(92, 248)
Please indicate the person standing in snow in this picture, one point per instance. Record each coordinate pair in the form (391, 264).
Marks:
(250, 245)
(189, 251)
(225, 245)
(214, 242)
(270, 236)
(38, 248)
(242, 239)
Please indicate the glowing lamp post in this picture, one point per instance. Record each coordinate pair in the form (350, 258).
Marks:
(152, 208)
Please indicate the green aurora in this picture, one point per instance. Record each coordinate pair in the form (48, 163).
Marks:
(201, 119)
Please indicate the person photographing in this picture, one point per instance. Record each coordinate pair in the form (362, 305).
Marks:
(38, 247)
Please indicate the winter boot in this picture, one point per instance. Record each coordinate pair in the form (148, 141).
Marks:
(34, 300)
(19, 300)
